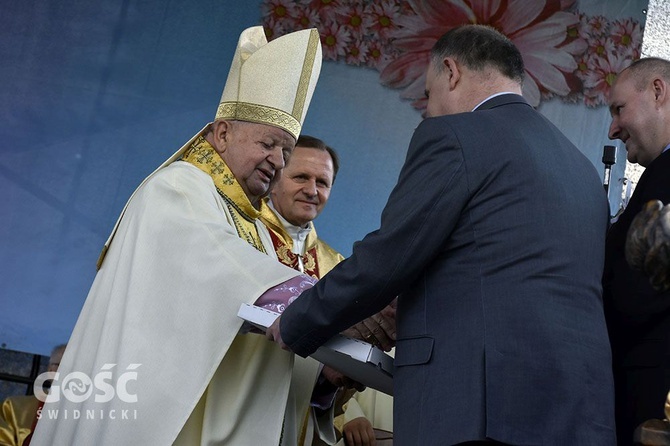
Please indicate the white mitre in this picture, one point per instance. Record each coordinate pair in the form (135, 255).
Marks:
(272, 83)
(268, 83)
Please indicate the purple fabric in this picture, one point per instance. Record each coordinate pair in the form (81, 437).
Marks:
(278, 298)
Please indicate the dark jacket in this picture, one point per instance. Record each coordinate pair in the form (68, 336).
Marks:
(494, 239)
(638, 317)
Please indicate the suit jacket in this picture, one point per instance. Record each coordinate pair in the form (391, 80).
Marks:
(493, 239)
(638, 317)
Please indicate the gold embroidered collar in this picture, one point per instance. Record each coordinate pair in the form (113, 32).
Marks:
(271, 219)
(202, 155)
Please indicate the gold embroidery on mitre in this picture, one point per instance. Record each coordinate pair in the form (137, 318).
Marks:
(203, 156)
(244, 111)
(305, 76)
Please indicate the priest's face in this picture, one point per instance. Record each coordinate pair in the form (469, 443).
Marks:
(304, 186)
(255, 153)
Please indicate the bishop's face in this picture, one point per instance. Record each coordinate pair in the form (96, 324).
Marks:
(256, 154)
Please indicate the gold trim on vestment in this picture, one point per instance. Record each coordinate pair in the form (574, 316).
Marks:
(244, 111)
(305, 76)
(271, 220)
(203, 156)
(319, 257)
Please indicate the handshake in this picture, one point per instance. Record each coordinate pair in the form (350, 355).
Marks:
(378, 329)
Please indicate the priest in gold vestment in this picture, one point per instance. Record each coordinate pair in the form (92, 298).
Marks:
(300, 196)
(158, 340)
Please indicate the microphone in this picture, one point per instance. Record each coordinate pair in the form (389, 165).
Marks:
(609, 158)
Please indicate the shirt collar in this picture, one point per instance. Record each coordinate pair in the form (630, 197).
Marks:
(493, 96)
(298, 234)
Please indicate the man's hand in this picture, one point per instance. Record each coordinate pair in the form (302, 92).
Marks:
(358, 432)
(339, 380)
(273, 334)
(378, 329)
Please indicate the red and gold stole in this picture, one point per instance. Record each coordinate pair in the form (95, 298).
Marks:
(283, 244)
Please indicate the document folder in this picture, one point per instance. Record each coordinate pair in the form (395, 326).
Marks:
(356, 359)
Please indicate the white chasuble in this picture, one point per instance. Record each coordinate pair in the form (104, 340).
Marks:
(160, 329)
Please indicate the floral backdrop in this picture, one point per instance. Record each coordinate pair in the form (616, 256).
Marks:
(567, 54)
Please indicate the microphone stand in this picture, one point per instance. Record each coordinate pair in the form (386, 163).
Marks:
(609, 158)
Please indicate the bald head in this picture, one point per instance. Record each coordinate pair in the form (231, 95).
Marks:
(639, 103)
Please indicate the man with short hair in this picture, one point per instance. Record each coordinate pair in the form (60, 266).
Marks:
(298, 197)
(160, 323)
(638, 316)
(493, 239)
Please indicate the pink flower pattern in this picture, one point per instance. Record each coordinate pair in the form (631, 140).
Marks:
(357, 52)
(334, 41)
(626, 36)
(600, 75)
(356, 18)
(597, 26)
(278, 9)
(306, 18)
(567, 54)
(384, 14)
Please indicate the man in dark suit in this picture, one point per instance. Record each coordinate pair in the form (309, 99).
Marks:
(638, 317)
(494, 240)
